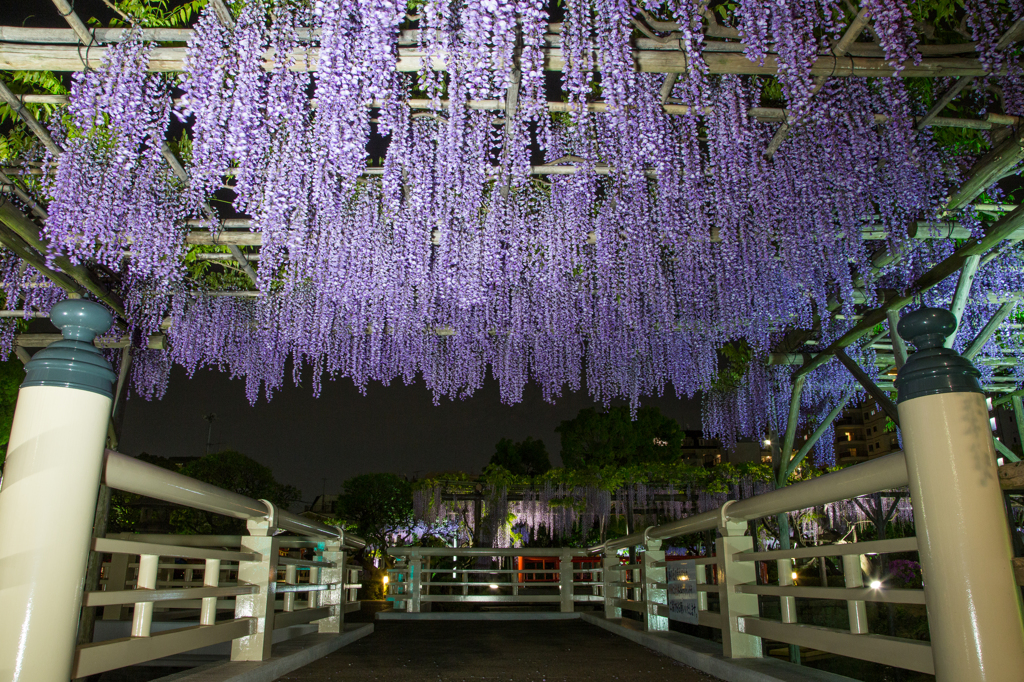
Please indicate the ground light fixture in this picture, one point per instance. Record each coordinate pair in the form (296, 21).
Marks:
(875, 584)
(493, 586)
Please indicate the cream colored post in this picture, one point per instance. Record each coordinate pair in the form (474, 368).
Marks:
(50, 485)
(333, 598)
(788, 604)
(289, 597)
(702, 597)
(736, 605)
(609, 576)
(972, 599)
(211, 578)
(261, 573)
(142, 618)
(856, 610)
(565, 584)
(655, 590)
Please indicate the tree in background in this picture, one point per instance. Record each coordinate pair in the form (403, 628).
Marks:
(377, 507)
(232, 471)
(12, 373)
(612, 438)
(525, 458)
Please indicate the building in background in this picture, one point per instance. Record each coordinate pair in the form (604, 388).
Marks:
(864, 432)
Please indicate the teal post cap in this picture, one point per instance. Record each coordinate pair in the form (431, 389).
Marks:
(933, 370)
(74, 362)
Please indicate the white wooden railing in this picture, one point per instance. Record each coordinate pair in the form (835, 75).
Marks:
(731, 573)
(260, 578)
(418, 577)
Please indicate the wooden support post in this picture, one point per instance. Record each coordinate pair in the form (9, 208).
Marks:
(975, 346)
(962, 293)
(612, 592)
(565, 582)
(211, 578)
(853, 578)
(873, 390)
(655, 589)
(736, 605)
(415, 583)
(899, 346)
(333, 598)
(262, 574)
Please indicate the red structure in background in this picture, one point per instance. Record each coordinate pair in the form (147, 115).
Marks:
(553, 564)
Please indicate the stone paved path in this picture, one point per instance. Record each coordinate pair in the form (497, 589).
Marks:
(509, 651)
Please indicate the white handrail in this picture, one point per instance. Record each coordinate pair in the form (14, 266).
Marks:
(883, 473)
(134, 476)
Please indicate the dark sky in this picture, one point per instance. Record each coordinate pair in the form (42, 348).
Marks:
(342, 433)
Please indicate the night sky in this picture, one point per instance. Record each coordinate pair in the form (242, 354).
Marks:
(342, 433)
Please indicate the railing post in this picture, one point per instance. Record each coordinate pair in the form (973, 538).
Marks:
(50, 485)
(735, 605)
(334, 597)
(609, 576)
(655, 590)
(211, 578)
(786, 604)
(853, 577)
(565, 587)
(288, 603)
(262, 573)
(412, 604)
(142, 618)
(972, 599)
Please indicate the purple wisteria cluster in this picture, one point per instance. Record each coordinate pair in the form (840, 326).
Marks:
(406, 232)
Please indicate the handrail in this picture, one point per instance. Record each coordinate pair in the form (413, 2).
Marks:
(883, 473)
(134, 476)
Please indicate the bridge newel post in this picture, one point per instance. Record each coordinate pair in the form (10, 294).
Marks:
(50, 485)
(565, 587)
(655, 576)
(262, 573)
(972, 599)
(735, 605)
(335, 597)
(412, 604)
(609, 577)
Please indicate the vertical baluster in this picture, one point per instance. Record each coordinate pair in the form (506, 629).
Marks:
(211, 578)
(788, 604)
(736, 605)
(565, 586)
(289, 579)
(854, 578)
(655, 591)
(142, 619)
(612, 592)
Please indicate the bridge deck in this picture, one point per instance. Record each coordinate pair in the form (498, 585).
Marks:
(507, 651)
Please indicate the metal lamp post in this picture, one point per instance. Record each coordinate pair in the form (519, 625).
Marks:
(48, 498)
(974, 610)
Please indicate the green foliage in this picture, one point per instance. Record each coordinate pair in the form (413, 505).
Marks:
(612, 438)
(734, 363)
(12, 373)
(153, 13)
(525, 458)
(232, 471)
(216, 275)
(377, 506)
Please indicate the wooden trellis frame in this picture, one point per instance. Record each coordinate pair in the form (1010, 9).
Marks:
(62, 50)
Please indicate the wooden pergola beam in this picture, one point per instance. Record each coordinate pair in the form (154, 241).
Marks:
(999, 231)
(32, 57)
(155, 342)
(989, 169)
(27, 230)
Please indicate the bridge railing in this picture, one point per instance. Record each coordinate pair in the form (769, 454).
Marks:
(261, 578)
(731, 574)
(555, 575)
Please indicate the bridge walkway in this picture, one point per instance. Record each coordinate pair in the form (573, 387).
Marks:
(499, 651)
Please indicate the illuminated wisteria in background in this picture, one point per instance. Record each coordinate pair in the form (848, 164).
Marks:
(672, 235)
